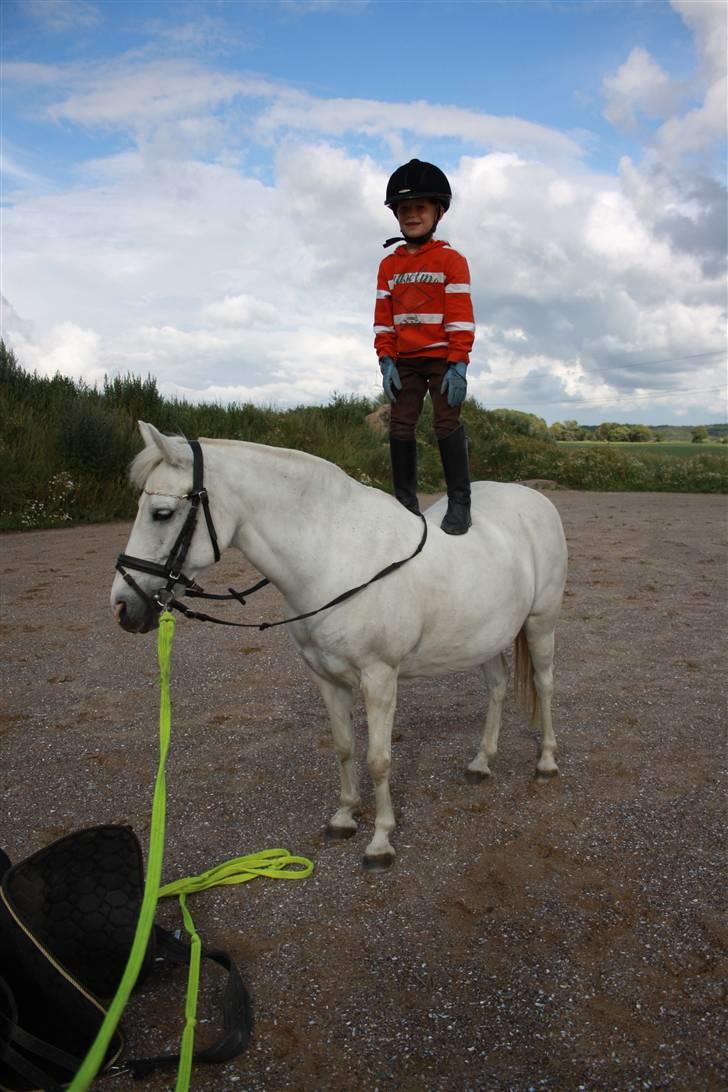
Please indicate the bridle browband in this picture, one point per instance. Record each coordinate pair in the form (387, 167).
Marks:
(171, 570)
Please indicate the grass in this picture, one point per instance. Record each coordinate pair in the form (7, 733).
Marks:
(669, 449)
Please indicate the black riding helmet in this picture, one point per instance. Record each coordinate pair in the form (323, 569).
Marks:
(418, 179)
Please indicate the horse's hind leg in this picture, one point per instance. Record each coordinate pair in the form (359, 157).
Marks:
(496, 677)
(339, 700)
(540, 635)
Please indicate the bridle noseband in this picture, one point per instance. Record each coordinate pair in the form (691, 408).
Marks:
(171, 571)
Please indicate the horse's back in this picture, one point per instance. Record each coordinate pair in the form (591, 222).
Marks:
(516, 531)
(506, 504)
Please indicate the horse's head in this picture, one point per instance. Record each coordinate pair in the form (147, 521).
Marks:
(166, 540)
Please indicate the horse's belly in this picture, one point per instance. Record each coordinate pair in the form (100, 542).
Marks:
(421, 646)
(461, 651)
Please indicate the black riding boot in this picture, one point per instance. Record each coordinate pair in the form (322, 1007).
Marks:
(404, 472)
(454, 455)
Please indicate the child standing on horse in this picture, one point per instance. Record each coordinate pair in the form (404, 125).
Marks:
(424, 331)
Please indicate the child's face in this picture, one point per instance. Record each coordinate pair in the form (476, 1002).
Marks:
(418, 217)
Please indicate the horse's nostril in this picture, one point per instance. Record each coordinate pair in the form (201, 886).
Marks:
(119, 612)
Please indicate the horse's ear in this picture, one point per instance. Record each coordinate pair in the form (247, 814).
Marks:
(147, 432)
(168, 449)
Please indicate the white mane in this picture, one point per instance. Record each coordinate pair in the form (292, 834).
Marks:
(178, 448)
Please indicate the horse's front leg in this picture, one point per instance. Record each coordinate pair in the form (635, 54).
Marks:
(379, 686)
(338, 699)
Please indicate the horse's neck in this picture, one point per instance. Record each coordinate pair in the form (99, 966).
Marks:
(302, 522)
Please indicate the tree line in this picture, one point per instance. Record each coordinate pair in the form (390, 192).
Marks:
(612, 432)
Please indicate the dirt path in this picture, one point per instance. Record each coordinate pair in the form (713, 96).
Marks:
(563, 936)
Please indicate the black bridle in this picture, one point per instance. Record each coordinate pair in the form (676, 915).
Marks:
(171, 570)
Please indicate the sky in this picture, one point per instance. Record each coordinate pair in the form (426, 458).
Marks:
(195, 191)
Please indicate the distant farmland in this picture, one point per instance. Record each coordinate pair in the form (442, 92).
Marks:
(676, 449)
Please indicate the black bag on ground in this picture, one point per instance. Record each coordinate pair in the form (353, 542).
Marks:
(68, 916)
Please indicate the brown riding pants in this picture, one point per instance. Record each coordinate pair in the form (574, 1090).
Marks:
(420, 375)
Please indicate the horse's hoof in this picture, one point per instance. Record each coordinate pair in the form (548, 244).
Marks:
(339, 834)
(474, 777)
(547, 775)
(380, 863)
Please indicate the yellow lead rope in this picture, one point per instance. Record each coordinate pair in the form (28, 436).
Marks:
(274, 863)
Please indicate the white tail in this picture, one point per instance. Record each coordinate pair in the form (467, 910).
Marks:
(526, 692)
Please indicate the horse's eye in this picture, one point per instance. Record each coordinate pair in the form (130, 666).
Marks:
(159, 515)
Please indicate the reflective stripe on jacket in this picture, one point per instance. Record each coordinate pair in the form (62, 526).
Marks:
(423, 305)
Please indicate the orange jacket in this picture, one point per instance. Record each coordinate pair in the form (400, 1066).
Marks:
(423, 304)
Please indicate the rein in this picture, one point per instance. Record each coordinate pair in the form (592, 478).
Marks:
(171, 571)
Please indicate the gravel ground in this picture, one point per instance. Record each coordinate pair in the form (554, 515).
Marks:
(565, 936)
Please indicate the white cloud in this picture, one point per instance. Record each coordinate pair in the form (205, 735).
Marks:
(65, 348)
(225, 288)
(14, 171)
(699, 129)
(336, 117)
(32, 75)
(11, 323)
(243, 310)
(140, 95)
(709, 24)
(639, 86)
(668, 216)
(617, 236)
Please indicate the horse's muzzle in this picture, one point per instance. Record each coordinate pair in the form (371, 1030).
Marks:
(135, 621)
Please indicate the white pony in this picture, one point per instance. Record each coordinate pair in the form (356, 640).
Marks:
(315, 533)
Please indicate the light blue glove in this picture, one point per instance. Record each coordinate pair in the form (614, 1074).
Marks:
(390, 377)
(455, 383)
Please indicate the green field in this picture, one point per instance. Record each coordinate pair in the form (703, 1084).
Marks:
(679, 450)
